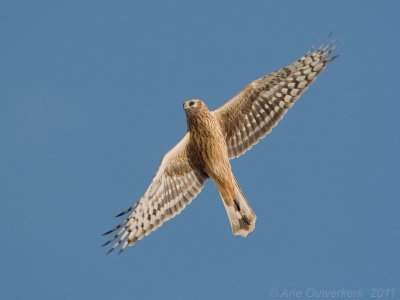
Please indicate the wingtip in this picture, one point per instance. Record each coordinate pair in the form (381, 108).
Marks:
(333, 58)
(329, 46)
(106, 243)
(120, 214)
(107, 232)
(127, 210)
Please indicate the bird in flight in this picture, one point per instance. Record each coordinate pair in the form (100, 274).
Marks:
(213, 138)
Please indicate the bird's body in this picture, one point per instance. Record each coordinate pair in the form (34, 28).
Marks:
(212, 140)
(207, 146)
(207, 141)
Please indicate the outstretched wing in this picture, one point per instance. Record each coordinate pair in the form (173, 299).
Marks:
(174, 186)
(252, 113)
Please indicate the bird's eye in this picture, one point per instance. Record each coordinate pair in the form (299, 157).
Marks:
(191, 103)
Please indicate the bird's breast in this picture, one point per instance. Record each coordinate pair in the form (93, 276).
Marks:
(209, 147)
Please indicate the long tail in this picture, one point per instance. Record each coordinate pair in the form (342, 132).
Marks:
(240, 214)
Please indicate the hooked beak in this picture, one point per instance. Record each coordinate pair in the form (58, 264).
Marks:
(185, 105)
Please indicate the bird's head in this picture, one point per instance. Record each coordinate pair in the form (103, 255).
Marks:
(196, 111)
(194, 106)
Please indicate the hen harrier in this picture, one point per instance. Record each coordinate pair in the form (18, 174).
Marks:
(212, 139)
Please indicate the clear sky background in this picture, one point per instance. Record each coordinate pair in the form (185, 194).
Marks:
(91, 98)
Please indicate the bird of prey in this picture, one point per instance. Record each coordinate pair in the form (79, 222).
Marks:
(213, 138)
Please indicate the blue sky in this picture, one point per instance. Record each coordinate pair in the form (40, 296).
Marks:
(91, 98)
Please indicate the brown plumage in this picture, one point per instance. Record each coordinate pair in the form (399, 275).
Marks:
(213, 138)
